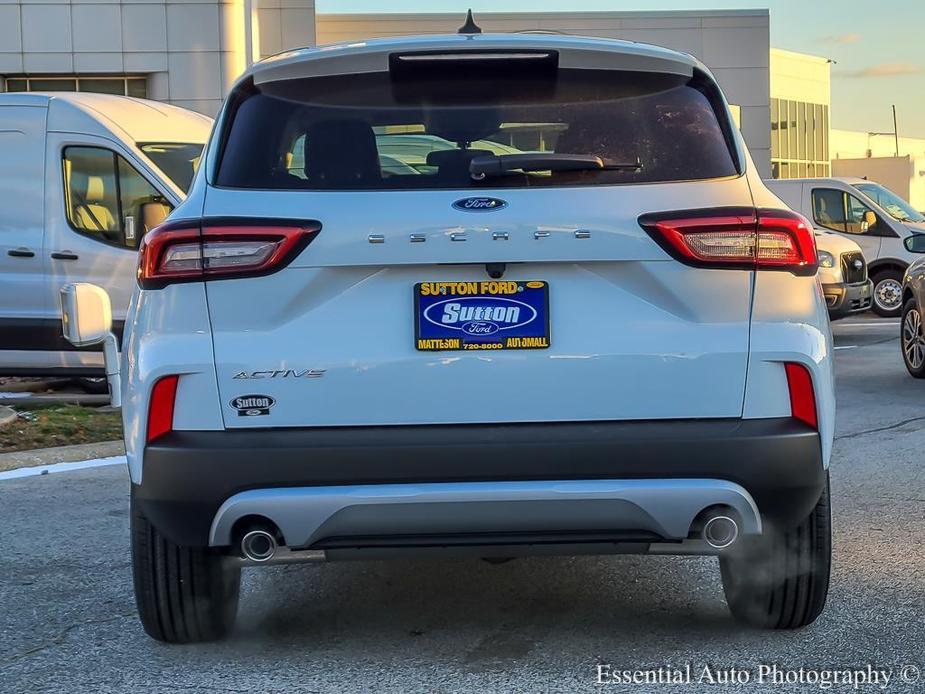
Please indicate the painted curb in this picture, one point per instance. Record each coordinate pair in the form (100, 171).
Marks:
(40, 470)
(60, 454)
(27, 399)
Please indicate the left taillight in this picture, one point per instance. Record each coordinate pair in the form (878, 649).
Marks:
(745, 239)
(186, 251)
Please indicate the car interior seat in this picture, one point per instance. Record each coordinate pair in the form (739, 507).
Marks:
(341, 154)
(89, 208)
(822, 213)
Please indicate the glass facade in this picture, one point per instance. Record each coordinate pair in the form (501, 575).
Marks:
(122, 85)
(799, 139)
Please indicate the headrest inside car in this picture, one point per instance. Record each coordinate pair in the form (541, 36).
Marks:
(95, 189)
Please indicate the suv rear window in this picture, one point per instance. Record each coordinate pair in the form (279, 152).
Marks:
(373, 132)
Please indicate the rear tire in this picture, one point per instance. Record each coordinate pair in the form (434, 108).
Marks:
(184, 594)
(781, 580)
(887, 295)
(912, 339)
(97, 386)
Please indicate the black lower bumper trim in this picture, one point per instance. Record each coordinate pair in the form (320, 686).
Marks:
(845, 299)
(489, 539)
(187, 475)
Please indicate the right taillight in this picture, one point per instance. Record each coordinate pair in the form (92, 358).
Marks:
(736, 238)
(220, 248)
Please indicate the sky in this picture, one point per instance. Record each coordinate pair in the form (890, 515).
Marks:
(879, 47)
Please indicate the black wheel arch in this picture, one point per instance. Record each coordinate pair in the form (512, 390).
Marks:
(882, 264)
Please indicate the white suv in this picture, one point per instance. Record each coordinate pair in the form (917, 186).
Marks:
(608, 338)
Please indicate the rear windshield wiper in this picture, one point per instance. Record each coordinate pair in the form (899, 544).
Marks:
(499, 164)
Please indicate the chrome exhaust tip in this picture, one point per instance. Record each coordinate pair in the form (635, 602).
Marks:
(720, 532)
(258, 546)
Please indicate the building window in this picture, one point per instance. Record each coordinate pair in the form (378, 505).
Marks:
(122, 85)
(799, 139)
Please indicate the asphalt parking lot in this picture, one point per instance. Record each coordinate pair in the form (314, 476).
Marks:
(67, 621)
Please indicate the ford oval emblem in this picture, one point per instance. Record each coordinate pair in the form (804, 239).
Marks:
(480, 327)
(479, 204)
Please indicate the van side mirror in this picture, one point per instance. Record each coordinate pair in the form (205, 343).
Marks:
(86, 314)
(86, 319)
(915, 243)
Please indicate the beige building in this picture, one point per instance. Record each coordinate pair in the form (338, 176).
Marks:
(800, 114)
(185, 52)
(899, 165)
(803, 143)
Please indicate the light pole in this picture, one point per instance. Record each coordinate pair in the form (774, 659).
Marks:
(894, 134)
(895, 131)
(251, 33)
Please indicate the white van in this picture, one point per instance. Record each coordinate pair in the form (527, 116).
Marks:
(82, 178)
(868, 213)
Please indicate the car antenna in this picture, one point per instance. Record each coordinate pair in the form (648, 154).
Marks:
(470, 27)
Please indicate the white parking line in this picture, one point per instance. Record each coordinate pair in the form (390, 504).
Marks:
(870, 324)
(61, 467)
(847, 347)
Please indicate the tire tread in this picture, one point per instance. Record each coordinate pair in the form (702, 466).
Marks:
(780, 581)
(184, 594)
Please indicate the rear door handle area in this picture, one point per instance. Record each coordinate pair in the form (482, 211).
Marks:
(21, 252)
(64, 255)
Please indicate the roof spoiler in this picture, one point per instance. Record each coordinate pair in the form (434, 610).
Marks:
(380, 55)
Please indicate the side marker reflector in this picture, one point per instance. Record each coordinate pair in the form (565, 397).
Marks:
(802, 396)
(160, 412)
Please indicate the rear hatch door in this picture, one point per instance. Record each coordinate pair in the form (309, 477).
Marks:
(621, 330)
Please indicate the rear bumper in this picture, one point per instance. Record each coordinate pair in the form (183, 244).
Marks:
(772, 464)
(844, 299)
(485, 513)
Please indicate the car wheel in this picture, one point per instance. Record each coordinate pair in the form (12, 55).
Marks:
(97, 386)
(912, 339)
(184, 594)
(780, 580)
(888, 293)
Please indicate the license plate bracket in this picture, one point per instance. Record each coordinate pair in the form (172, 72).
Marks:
(481, 315)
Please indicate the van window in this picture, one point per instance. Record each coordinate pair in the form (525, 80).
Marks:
(889, 201)
(376, 132)
(107, 199)
(178, 161)
(841, 211)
